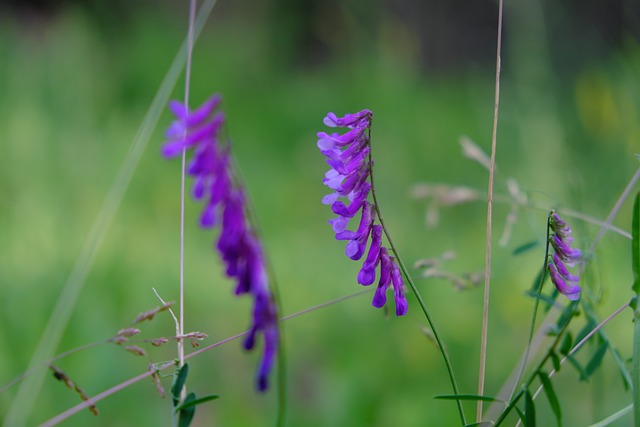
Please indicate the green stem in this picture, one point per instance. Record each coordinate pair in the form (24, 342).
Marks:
(514, 400)
(413, 287)
(535, 310)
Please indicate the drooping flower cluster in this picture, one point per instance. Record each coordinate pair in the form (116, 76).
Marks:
(564, 256)
(237, 244)
(348, 155)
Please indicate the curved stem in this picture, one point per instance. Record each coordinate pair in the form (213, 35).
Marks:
(535, 311)
(413, 287)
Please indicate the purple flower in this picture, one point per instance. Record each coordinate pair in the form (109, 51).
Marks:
(390, 275)
(564, 255)
(225, 205)
(349, 156)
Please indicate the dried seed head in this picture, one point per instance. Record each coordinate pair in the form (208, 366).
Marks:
(149, 315)
(155, 377)
(118, 339)
(157, 342)
(135, 350)
(61, 376)
(129, 332)
(196, 335)
(473, 151)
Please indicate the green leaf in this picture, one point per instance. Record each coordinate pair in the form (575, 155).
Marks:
(525, 247)
(474, 397)
(186, 415)
(635, 245)
(574, 362)
(521, 415)
(585, 331)
(189, 403)
(622, 368)
(555, 359)
(178, 383)
(542, 297)
(567, 314)
(596, 359)
(551, 395)
(567, 342)
(529, 410)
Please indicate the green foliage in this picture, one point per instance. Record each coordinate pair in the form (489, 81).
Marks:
(529, 410)
(178, 383)
(73, 99)
(547, 386)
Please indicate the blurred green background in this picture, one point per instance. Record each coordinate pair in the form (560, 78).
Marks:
(76, 79)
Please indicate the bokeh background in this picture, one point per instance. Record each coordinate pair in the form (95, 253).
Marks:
(76, 79)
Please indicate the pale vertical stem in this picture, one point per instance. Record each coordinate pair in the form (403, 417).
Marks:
(187, 80)
(487, 274)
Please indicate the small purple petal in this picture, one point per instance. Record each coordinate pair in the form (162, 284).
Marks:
(367, 274)
(178, 109)
(330, 120)
(339, 224)
(330, 198)
(333, 179)
(571, 292)
(562, 269)
(380, 297)
(398, 290)
(568, 254)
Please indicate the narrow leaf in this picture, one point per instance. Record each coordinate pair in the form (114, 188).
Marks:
(473, 397)
(565, 346)
(585, 331)
(555, 359)
(551, 395)
(567, 314)
(529, 410)
(574, 362)
(622, 368)
(525, 247)
(521, 415)
(194, 402)
(186, 415)
(542, 297)
(596, 359)
(178, 383)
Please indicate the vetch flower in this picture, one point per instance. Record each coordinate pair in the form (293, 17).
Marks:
(349, 156)
(225, 206)
(564, 255)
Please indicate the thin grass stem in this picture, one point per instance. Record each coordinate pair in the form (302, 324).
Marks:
(187, 81)
(487, 274)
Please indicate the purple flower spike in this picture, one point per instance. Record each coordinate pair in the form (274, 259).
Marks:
(349, 156)
(564, 255)
(237, 244)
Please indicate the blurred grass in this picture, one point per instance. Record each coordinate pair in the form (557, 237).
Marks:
(72, 96)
